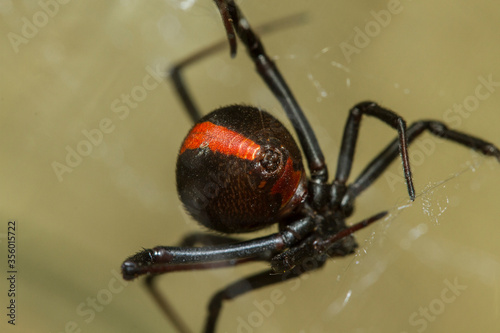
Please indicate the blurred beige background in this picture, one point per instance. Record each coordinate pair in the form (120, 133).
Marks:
(66, 77)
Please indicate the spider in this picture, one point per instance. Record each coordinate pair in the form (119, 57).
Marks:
(240, 170)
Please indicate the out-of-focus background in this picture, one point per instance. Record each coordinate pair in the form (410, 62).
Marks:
(90, 132)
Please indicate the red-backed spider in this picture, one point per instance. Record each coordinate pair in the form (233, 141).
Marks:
(240, 170)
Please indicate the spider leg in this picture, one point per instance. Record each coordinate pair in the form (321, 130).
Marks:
(350, 138)
(182, 90)
(378, 165)
(176, 71)
(228, 25)
(164, 304)
(240, 287)
(164, 259)
(171, 259)
(270, 74)
(196, 238)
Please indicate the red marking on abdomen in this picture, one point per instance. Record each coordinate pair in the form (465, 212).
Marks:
(288, 183)
(220, 139)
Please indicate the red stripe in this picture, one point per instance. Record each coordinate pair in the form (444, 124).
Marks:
(288, 183)
(220, 139)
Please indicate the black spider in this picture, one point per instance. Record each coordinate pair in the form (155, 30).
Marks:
(240, 170)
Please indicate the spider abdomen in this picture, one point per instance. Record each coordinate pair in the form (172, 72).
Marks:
(239, 170)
